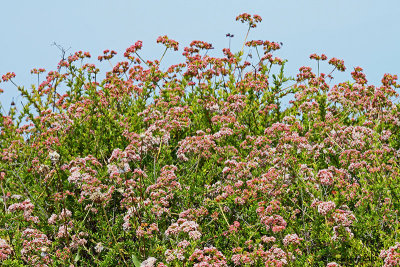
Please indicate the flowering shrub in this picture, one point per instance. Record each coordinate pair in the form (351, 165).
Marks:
(200, 164)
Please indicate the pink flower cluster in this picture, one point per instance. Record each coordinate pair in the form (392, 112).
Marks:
(146, 230)
(169, 43)
(271, 221)
(252, 21)
(325, 207)
(5, 249)
(317, 57)
(275, 256)
(62, 217)
(27, 207)
(325, 177)
(391, 256)
(208, 257)
(34, 248)
(185, 226)
(8, 76)
(163, 190)
(291, 239)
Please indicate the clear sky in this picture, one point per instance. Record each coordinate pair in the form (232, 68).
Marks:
(363, 33)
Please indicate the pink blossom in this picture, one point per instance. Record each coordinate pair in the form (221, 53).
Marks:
(332, 264)
(5, 249)
(291, 239)
(325, 207)
(391, 256)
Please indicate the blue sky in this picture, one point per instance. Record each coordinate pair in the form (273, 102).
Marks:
(362, 33)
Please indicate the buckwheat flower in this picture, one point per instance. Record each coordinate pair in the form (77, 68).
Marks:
(241, 259)
(194, 235)
(112, 169)
(127, 225)
(54, 157)
(169, 255)
(325, 177)
(99, 247)
(385, 135)
(277, 228)
(398, 153)
(43, 169)
(184, 244)
(268, 239)
(325, 207)
(189, 226)
(173, 229)
(52, 219)
(97, 197)
(78, 240)
(169, 43)
(213, 108)
(63, 231)
(16, 197)
(209, 256)
(23, 206)
(140, 232)
(239, 201)
(332, 264)
(234, 227)
(27, 207)
(344, 217)
(150, 262)
(225, 170)
(391, 256)
(5, 249)
(179, 253)
(8, 76)
(123, 168)
(298, 251)
(278, 254)
(33, 242)
(236, 259)
(75, 176)
(291, 239)
(65, 213)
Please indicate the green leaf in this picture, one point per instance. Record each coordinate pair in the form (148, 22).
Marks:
(135, 261)
(77, 257)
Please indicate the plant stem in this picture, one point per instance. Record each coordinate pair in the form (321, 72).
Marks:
(165, 51)
(245, 39)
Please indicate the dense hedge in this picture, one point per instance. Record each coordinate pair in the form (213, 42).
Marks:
(200, 163)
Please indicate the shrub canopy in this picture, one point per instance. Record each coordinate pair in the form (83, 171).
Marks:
(200, 164)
